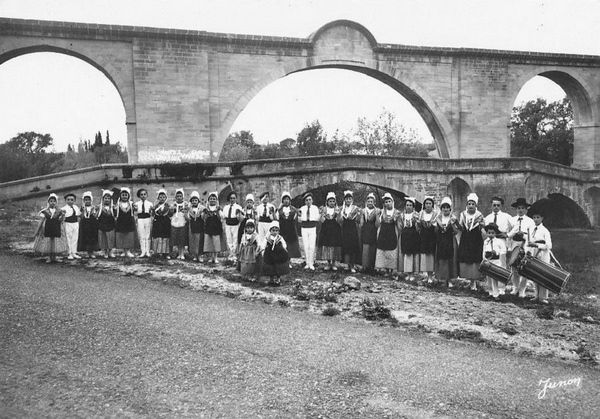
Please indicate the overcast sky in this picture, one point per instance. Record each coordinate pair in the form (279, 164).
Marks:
(71, 100)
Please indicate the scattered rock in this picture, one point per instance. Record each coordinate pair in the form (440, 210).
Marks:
(589, 319)
(509, 330)
(517, 322)
(546, 312)
(562, 313)
(352, 283)
(402, 316)
(330, 311)
(462, 334)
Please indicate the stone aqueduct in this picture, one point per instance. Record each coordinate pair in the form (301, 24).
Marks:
(183, 89)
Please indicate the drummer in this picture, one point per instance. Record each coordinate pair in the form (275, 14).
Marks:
(503, 222)
(494, 250)
(520, 236)
(540, 246)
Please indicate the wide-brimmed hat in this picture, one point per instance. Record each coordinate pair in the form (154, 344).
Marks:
(520, 202)
(492, 226)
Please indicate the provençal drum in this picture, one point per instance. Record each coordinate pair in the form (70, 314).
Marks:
(548, 276)
(494, 271)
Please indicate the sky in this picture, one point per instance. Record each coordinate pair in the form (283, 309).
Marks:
(63, 96)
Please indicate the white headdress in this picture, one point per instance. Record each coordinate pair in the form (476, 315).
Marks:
(446, 201)
(330, 195)
(87, 194)
(473, 197)
(195, 194)
(179, 190)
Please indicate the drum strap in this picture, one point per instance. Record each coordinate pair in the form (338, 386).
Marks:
(555, 260)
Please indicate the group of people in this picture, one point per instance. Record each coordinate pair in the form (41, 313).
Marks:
(433, 243)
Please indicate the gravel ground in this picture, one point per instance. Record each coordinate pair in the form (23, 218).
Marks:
(81, 343)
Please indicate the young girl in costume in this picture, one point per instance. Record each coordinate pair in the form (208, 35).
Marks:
(410, 241)
(266, 214)
(106, 225)
(427, 238)
(213, 228)
(471, 241)
(88, 226)
(179, 228)
(143, 212)
(248, 213)
(124, 223)
(349, 217)
(196, 227)
(330, 236)
(50, 240)
(287, 216)
(161, 226)
(368, 233)
(446, 227)
(248, 251)
(71, 220)
(276, 259)
(388, 232)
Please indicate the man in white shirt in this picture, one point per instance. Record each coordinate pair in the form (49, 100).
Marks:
(503, 222)
(308, 219)
(71, 219)
(494, 250)
(520, 236)
(540, 246)
(231, 216)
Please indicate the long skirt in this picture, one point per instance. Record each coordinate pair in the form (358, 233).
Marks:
(125, 240)
(43, 245)
(88, 235)
(470, 270)
(445, 269)
(179, 236)
(247, 258)
(386, 259)
(212, 244)
(350, 241)
(106, 239)
(275, 263)
(427, 262)
(196, 244)
(410, 263)
(288, 232)
(161, 245)
(369, 253)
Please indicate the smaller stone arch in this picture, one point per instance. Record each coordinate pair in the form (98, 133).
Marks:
(561, 211)
(457, 190)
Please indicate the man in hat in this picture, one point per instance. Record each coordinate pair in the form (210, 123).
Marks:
(71, 220)
(520, 236)
(502, 221)
(494, 250)
(231, 217)
(308, 219)
(143, 210)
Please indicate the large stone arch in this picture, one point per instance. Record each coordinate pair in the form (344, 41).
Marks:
(585, 110)
(120, 79)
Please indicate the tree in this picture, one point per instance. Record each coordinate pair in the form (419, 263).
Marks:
(97, 141)
(238, 146)
(312, 140)
(543, 130)
(107, 138)
(30, 142)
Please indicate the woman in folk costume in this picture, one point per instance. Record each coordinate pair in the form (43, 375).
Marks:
(231, 214)
(540, 246)
(275, 257)
(248, 250)
(248, 213)
(106, 225)
(179, 228)
(161, 226)
(213, 228)
(349, 218)
(388, 224)
(50, 238)
(124, 223)
(494, 250)
(196, 227)
(287, 215)
(88, 226)
(470, 248)
(309, 218)
(446, 227)
(410, 241)
(266, 214)
(427, 238)
(71, 221)
(143, 212)
(368, 233)
(330, 236)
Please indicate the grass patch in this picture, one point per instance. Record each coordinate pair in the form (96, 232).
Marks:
(375, 309)
(330, 311)
(462, 334)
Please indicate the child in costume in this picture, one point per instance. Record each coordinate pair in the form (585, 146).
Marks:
(540, 246)
(410, 241)
(196, 227)
(161, 226)
(88, 226)
(287, 215)
(248, 213)
(106, 225)
(446, 227)
(143, 212)
(124, 223)
(248, 251)
(50, 239)
(266, 213)
(276, 258)
(330, 236)
(71, 220)
(349, 218)
(368, 233)
(179, 228)
(494, 250)
(213, 228)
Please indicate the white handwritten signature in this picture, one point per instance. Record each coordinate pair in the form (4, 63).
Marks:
(575, 382)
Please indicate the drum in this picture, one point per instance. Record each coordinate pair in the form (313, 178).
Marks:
(494, 271)
(548, 276)
(515, 256)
